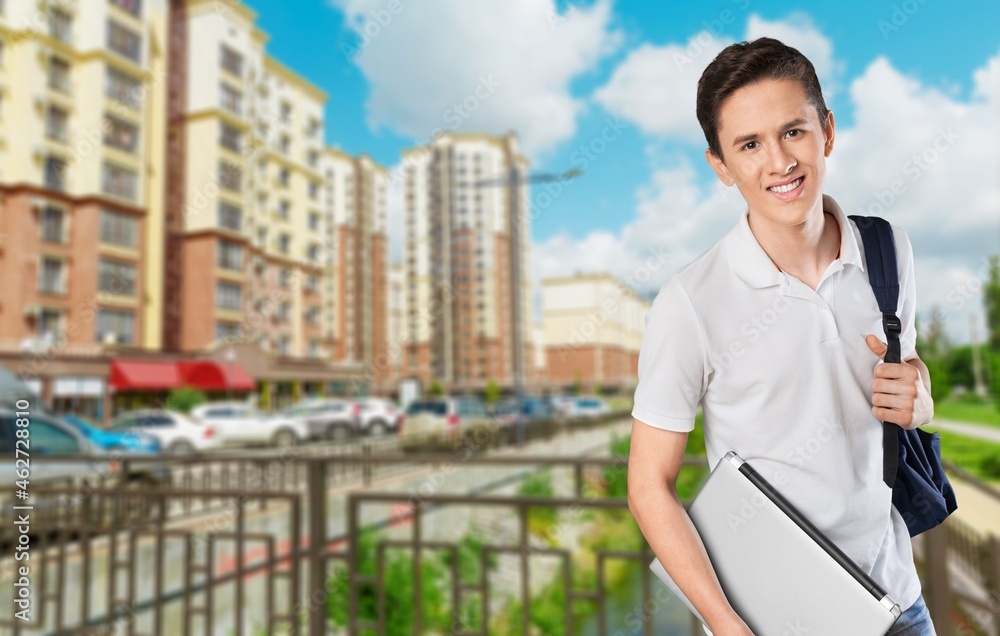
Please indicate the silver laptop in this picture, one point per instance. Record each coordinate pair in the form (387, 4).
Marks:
(779, 572)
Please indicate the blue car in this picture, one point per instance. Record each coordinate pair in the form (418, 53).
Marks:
(126, 441)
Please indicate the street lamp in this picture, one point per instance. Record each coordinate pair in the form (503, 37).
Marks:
(513, 180)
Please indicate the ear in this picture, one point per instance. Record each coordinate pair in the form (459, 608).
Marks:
(828, 133)
(719, 167)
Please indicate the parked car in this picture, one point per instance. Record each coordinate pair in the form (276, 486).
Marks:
(444, 420)
(177, 433)
(238, 423)
(76, 477)
(563, 403)
(588, 407)
(333, 418)
(108, 440)
(379, 416)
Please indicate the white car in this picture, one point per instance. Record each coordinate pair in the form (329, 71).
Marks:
(177, 433)
(238, 423)
(379, 416)
(589, 407)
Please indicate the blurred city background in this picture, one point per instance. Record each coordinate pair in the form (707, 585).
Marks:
(326, 314)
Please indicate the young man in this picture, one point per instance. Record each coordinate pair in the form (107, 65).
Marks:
(776, 332)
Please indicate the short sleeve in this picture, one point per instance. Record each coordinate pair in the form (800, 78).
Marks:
(907, 294)
(672, 362)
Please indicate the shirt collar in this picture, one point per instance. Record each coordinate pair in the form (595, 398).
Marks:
(753, 266)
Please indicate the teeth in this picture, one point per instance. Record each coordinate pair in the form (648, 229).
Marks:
(787, 188)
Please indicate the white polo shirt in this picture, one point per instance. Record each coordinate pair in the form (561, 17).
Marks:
(784, 376)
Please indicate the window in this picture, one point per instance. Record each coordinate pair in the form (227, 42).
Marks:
(115, 326)
(313, 221)
(227, 330)
(283, 310)
(230, 216)
(122, 87)
(118, 228)
(230, 255)
(116, 277)
(133, 7)
(286, 111)
(312, 316)
(313, 253)
(284, 176)
(119, 181)
(124, 41)
(312, 158)
(227, 296)
(60, 25)
(231, 61)
(51, 279)
(262, 236)
(283, 209)
(59, 74)
(49, 439)
(55, 169)
(120, 134)
(52, 224)
(284, 345)
(284, 144)
(55, 123)
(49, 323)
(230, 137)
(313, 190)
(230, 176)
(232, 99)
(313, 128)
(284, 276)
(284, 241)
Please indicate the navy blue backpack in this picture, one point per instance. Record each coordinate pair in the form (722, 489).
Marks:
(911, 463)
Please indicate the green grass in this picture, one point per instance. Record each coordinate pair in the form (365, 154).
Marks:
(968, 453)
(968, 412)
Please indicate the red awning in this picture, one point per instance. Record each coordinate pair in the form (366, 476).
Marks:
(200, 374)
(216, 376)
(131, 374)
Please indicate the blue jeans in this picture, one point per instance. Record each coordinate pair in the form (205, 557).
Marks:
(915, 621)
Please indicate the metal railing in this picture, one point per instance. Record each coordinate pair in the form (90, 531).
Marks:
(233, 544)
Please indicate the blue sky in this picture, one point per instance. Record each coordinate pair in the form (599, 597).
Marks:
(896, 74)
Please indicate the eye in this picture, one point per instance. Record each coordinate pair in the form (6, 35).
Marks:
(794, 132)
(750, 145)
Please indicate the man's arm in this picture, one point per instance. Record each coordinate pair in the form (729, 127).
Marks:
(654, 461)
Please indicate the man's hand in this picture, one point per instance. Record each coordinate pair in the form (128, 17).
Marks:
(899, 392)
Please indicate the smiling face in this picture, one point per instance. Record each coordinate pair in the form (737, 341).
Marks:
(774, 149)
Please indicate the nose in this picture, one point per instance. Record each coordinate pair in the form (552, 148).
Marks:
(779, 160)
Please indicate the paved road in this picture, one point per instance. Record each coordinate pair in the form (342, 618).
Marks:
(979, 431)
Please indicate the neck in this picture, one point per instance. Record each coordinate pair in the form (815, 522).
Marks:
(806, 248)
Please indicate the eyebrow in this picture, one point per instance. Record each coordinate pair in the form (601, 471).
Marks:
(739, 141)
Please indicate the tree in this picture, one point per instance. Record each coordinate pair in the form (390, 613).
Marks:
(435, 389)
(184, 399)
(492, 392)
(991, 300)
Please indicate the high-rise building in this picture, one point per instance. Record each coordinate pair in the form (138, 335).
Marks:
(460, 245)
(356, 231)
(593, 330)
(247, 216)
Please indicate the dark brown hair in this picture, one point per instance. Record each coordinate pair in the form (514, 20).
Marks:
(741, 64)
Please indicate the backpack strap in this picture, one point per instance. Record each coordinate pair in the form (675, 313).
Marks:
(880, 261)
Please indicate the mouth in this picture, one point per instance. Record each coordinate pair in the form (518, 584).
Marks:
(789, 190)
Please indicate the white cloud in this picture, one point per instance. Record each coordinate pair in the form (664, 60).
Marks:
(797, 31)
(423, 62)
(655, 86)
(938, 151)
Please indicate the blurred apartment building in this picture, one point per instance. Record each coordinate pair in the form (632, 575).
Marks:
(459, 251)
(167, 197)
(593, 328)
